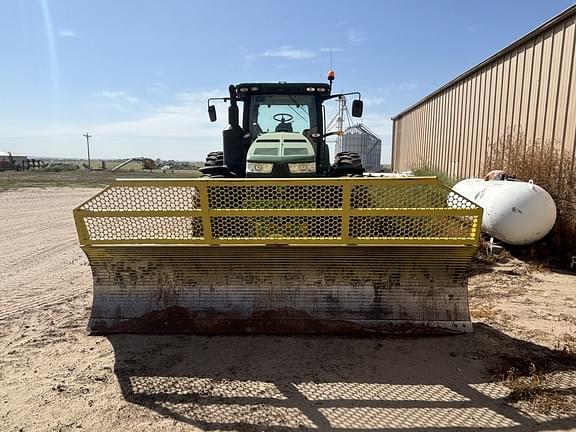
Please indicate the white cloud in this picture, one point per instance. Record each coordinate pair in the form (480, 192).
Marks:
(407, 85)
(198, 98)
(291, 53)
(381, 124)
(355, 37)
(371, 101)
(118, 96)
(67, 33)
(331, 49)
(180, 131)
(156, 88)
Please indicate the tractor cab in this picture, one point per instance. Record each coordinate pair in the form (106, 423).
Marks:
(282, 132)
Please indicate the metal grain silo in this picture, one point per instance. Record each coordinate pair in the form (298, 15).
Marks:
(360, 139)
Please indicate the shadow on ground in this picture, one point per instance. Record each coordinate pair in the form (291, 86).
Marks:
(281, 383)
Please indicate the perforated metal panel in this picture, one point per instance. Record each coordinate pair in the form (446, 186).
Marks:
(280, 211)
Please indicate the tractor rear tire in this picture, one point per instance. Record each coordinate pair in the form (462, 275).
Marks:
(215, 158)
(347, 163)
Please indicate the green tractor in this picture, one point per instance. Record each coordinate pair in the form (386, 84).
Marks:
(300, 246)
(282, 133)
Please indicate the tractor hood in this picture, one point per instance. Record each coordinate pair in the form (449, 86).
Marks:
(281, 147)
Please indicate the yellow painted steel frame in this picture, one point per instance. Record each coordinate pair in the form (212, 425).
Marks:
(321, 211)
(322, 255)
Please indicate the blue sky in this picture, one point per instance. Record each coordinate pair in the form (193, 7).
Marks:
(136, 74)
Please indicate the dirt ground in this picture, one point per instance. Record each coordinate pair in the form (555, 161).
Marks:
(57, 378)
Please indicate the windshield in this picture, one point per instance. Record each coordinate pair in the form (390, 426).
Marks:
(282, 113)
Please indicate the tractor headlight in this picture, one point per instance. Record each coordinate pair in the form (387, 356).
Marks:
(261, 168)
(299, 168)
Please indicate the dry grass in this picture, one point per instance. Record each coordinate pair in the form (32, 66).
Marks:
(540, 399)
(485, 312)
(530, 385)
(544, 163)
(566, 346)
(79, 178)
(423, 170)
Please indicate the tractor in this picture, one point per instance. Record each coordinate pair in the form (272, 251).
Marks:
(276, 239)
(282, 133)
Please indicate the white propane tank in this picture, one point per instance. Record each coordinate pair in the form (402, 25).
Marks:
(515, 212)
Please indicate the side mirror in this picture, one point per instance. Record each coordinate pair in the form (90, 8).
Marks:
(357, 108)
(212, 112)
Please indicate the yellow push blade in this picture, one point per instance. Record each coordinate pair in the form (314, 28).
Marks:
(279, 256)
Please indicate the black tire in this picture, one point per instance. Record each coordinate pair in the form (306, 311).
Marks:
(347, 163)
(348, 158)
(215, 158)
(217, 171)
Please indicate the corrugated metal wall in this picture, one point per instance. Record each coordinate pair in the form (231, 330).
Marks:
(528, 90)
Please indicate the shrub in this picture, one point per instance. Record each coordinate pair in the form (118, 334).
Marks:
(543, 163)
(425, 171)
(59, 167)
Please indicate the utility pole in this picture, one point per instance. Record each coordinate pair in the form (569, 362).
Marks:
(88, 147)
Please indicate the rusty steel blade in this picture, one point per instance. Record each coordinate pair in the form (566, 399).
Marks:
(152, 289)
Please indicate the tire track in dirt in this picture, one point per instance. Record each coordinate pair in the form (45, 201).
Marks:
(41, 264)
(30, 232)
(22, 259)
(38, 302)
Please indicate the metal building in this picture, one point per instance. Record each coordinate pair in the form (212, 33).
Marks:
(10, 160)
(360, 139)
(528, 89)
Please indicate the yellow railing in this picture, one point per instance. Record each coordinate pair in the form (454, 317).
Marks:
(339, 211)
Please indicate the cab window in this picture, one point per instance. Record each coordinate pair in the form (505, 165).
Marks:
(281, 113)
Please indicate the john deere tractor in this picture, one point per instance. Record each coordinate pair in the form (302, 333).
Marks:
(282, 133)
(276, 239)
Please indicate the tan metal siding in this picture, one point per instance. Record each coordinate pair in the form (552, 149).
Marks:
(462, 159)
(519, 90)
(567, 140)
(499, 107)
(526, 92)
(433, 127)
(534, 91)
(564, 87)
(442, 165)
(480, 137)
